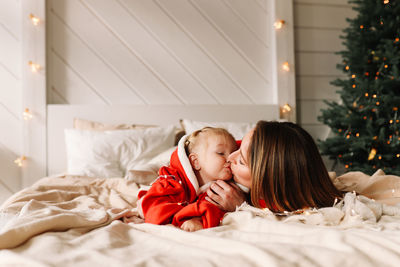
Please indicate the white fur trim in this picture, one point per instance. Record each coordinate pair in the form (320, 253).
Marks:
(204, 187)
(187, 167)
(243, 188)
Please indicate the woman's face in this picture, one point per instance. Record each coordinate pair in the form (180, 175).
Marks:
(239, 162)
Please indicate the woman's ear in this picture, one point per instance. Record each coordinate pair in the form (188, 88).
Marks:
(194, 161)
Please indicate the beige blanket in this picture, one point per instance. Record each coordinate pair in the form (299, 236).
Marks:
(62, 203)
(81, 221)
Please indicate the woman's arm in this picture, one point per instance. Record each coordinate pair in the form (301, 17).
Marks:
(226, 195)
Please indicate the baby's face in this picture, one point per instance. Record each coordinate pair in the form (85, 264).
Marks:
(213, 157)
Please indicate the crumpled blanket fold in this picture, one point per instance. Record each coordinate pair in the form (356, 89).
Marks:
(62, 203)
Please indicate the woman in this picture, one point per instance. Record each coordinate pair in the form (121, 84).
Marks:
(281, 164)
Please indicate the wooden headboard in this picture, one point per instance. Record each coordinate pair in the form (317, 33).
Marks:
(151, 62)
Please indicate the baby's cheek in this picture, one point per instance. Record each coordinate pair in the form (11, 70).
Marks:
(227, 174)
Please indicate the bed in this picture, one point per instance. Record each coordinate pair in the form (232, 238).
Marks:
(78, 217)
(79, 221)
(86, 163)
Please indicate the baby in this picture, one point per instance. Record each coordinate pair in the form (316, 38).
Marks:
(178, 195)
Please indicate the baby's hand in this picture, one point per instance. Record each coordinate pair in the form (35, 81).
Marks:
(192, 225)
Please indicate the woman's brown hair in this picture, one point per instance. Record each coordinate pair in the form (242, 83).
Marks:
(287, 169)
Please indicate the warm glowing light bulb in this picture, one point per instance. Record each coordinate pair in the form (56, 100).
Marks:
(286, 108)
(35, 20)
(386, 2)
(34, 67)
(286, 66)
(372, 154)
(279, 24)
(27, 114)
(19, 161)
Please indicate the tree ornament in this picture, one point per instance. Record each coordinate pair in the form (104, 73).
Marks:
(372, 154)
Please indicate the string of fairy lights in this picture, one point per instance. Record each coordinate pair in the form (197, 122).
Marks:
(374, 98)
(286, 109)
(35, 68)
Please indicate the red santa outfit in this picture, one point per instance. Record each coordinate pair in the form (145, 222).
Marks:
(175, 196)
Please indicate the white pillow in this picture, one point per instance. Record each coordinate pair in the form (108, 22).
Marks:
(237, 129)
(112, 153)
(147, 173)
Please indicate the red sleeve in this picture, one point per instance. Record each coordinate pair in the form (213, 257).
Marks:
(162, 201)
(210, 214)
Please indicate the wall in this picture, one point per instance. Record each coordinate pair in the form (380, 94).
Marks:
(10, 97)
(153, 52)
(318, 24)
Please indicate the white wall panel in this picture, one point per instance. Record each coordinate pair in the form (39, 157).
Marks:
(317, 88)
(157, 63)
(90, 66)
(322, 16)
(10, 17)
(10, 181)
(311, 110)
(188, 53)
(324, 2)
(10, 92)
(10, 137)
(253, 17)
(10, 52)
(317, 131)
(152, 52)
(63, 78)
(10, 97)
(317, 64)
(318, 40)
(318, 25)
(224, 54)
(263, 4)
(234, 31)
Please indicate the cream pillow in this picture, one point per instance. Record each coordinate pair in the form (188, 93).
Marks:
(237, 129)
(82, 124)
(112, 153)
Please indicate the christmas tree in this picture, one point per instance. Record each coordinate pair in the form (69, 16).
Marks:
(365, 124)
